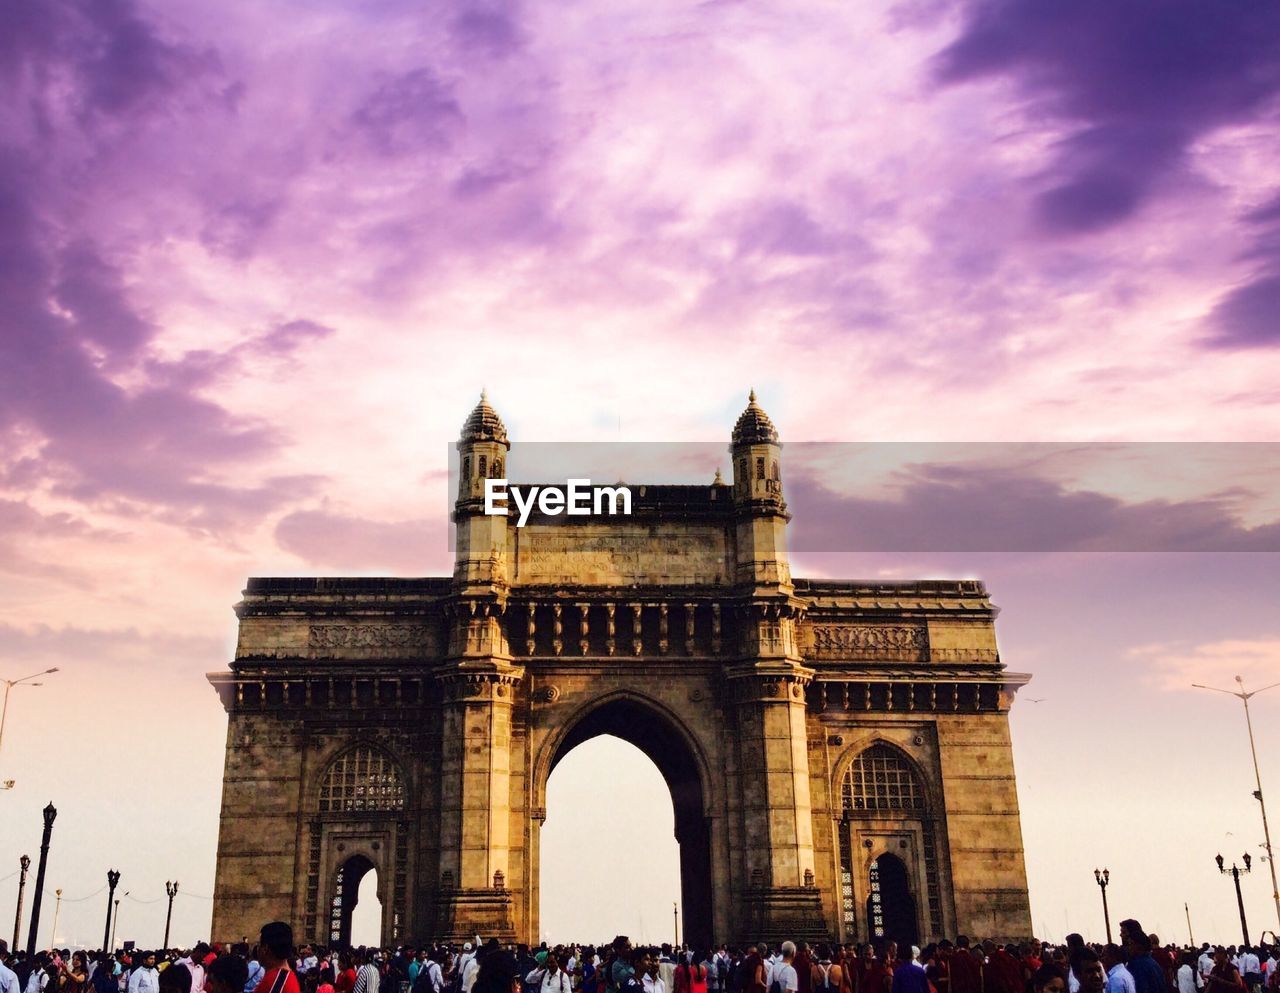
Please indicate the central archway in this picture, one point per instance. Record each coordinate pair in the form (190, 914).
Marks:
(646, 726)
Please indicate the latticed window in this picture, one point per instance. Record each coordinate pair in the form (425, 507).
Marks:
(363, 778)
(881, 779)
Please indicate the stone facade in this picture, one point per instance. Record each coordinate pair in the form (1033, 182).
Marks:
(838, 752)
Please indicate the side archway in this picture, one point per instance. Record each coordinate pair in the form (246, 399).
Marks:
(884, 793)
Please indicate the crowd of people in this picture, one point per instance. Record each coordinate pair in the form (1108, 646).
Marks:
(1140, 963)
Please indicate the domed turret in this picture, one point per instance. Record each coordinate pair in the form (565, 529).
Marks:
(484, 424)
(754, 426)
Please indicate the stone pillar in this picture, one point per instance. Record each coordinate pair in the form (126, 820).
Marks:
(475, 804)
(479, 683)
(780, 899)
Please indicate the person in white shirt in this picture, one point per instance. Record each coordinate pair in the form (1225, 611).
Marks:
(1204, 964)
(8, 978)
(784, 973)
(550, 978)
(469, 973)
(145, 978)
(1187, 977)
(195, 965)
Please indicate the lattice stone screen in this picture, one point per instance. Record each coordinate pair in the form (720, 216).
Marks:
(881, 779)
(363, 778)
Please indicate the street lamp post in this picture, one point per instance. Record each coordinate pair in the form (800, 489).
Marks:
(1234, 872)
(57, 908)
(113, 877)
(116, 920)
(1243, 696)
(24, 864)
(1103, 879)
(172, 890)
(4, 712)
(50, 813)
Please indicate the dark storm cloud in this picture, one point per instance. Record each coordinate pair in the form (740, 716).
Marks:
(1135, 83)
(956, 508)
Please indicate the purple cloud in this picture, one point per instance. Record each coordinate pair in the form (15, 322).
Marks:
(956, 508)
(1248, 316)
(1133, 85)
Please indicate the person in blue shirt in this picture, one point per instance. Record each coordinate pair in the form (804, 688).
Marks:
(1147, 975)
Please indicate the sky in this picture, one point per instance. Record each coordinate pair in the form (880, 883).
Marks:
(257, 261)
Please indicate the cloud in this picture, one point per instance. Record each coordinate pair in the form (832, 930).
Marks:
(340, 541)
(959, 508)
(1175, 666)
(1131, 85)
(1248, 316)
(126, 651)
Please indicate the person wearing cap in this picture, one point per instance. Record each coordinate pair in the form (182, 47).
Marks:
(275, 949)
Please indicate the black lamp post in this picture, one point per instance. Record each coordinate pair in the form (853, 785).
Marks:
(24, 864)
(50, 814)
(172, 890)
(113, 877)
(1234, 872)
(1103, 879)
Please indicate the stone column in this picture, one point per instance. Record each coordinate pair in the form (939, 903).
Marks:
(780, 899)
(475, 805)
(479, 683)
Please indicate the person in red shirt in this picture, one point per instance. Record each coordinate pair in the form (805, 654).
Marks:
(346, 979)
(275, 949)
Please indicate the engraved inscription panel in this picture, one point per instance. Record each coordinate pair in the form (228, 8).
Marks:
(614, 555)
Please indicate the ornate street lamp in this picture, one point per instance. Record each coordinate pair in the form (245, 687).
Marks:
(50, 814)
(24, 864)
(1103, 879)
(172, 890)
(113, 877)
(1234, 872)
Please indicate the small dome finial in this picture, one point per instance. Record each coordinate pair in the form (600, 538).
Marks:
(754, 425)
(751, 397)
(484, 424)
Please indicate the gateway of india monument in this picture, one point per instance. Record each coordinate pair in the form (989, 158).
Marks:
(838, 752)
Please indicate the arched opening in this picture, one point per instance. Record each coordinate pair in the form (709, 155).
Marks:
(654, 734)
(366, 913)
(891, 911)
(882, 791)
(609, 819)
(347, 891)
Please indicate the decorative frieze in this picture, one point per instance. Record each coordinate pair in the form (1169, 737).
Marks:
(870, 641)
(390, 639)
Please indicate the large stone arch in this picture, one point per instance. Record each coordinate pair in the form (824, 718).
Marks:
(668, 741)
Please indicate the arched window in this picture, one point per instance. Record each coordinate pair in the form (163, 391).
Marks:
(362, 778)
(760, 468)
(483, 467)
(881, 779)
(466, 468)
(497, 468)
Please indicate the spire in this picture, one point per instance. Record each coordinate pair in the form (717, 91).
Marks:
(754, 425)
(484, 424)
